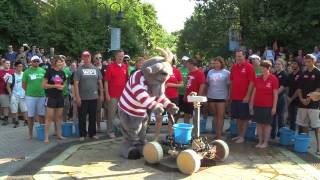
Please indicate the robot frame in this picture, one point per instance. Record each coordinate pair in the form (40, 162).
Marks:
(188, 157)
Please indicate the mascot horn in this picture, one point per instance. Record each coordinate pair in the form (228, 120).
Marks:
(144, 91)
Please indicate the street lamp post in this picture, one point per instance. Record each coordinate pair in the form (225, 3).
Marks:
(115, 36)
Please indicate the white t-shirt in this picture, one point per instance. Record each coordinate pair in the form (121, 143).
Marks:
(218, 81)
(17, 91)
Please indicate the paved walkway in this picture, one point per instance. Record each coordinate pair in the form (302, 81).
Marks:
(100, 160)
(16, 149)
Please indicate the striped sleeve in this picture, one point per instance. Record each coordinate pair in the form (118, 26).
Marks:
(165, 101)
(140, 93)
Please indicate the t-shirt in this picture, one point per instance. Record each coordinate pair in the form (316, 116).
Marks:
(54, 77)
(293, 82)
(310, 82)
(67, 73)
(117, 77)
(283, 80)
(241, 75)
(218, 81)
(172, 92)
(184, 73)
(17, 89)
(45, 65)
(33, 78)
(264, 90)
(194, 80)
(88, 78)
(4, 77)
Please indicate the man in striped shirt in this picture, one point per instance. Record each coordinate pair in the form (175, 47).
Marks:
(144, 91)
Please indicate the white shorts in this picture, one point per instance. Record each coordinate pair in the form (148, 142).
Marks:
(4, 100)
(308, 117)
(17, 103)
(35, 106)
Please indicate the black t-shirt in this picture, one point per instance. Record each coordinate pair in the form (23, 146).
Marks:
(293, 82)
(45, 65)
(54, 77)
(282, 78)
(309, 83)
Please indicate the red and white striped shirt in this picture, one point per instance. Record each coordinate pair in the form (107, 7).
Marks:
(135, 100)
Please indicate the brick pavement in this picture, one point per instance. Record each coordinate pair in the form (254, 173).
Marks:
(100, 160)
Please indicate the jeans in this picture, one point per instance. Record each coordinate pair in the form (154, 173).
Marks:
(88, 107)
(292, 116)
(278, 120)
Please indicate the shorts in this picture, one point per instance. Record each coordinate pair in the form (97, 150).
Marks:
(216, 100)
(308, 117)
(188, 108)
(262, 115)
(4, 100)
(17, 103)
(181, 102)
(239, 110)
(175, 101)
(35, 106)
(54, 102)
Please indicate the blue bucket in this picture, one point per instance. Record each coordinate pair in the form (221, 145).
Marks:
(234, 131)
(182, 133)
(251, 131)
(301, 143)
(40, 132)
(76, 129)
(67, 129)
(286, 136)
(203, 126)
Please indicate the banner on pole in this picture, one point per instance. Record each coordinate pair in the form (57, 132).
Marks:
(115, 39)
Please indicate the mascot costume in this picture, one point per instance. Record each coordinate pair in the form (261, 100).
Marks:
(144, 92)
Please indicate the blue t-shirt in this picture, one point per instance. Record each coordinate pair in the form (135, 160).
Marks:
(11, 56)
(218, 81)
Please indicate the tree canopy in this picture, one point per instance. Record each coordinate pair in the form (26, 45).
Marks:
(293, 24)
(72, 26)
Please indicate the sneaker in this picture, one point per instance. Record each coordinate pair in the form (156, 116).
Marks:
(111, 135)
(95, 137)
(81, 139)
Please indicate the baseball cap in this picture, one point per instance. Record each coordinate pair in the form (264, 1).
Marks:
(85, 53)
(185, 58)
(35, 58)
(127, 56)
(254, 56)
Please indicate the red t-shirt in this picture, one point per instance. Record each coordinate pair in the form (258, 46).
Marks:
(4, 76)
(194, 80)
(117, 77)
(241, 75)
(264, 90)
(172, 92)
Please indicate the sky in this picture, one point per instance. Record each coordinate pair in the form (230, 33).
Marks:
(172, 13)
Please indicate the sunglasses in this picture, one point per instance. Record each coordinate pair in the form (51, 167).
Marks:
(35, 61)
(98, 57)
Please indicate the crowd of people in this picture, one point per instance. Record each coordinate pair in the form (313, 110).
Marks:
(44, 87)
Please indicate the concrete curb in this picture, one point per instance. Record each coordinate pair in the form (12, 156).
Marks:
(304, 165)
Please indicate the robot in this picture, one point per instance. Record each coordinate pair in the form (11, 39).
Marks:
(188, 157)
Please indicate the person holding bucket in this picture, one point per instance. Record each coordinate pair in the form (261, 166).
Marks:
(218, 80)
(53, 83)
(308, 112)
(264, 102)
